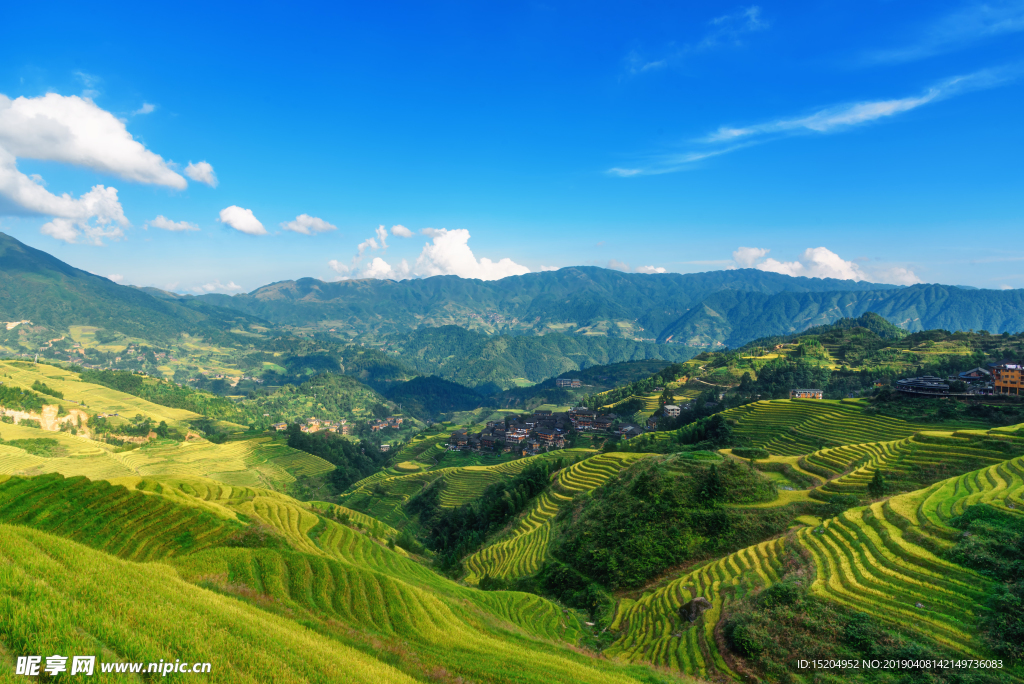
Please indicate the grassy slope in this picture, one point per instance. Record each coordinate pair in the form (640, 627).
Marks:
(334, 606)
(98, 399)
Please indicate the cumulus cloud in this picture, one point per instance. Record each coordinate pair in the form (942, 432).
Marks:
(449, 254)
(72, 130)
(339, 267)
(307, 225)
(217, 286)
(617, 265)
(820, 262)
(164, 223)
(202, 172)
(95, 215)
(368, 243)
(242, 220)
(146, 108)
(116, 277)
(816, 262)
(896, 275)
(746, 256)
(378, 268)
(651, 269)
(549, 268)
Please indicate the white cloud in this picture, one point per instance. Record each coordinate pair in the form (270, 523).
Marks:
(339, 267)
(746, 256)
(202, 172)
(95, 215)
(449, 254)
(164, 223)
(146, 108)
(837, 118)
(959, 29)
(382, 236)
(896, 275)
(844, 116)
(617, 265)
(378, 268)
(651, 269)
(307, 225)
(725, 30)
(116, 277)
(820, 262)
(729, 27)
(242, 220)
(368, 243)
(217, 286)
(73, 130)
(549, 268)
(401, 231)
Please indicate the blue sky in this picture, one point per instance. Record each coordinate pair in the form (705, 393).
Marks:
(872, 139)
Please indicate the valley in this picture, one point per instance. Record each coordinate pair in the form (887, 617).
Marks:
(489, 504)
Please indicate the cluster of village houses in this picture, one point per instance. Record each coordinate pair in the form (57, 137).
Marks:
(544, 430)
(317, 425)
(340, 426)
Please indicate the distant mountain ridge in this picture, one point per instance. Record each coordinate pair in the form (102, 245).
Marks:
(579, 299)
(39, 287)
(711, 310)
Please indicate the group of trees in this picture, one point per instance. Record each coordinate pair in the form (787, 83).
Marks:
(637, 388)
(655, 515)
(352, 461)
(454, 532)
(165, 393)
(17, 399)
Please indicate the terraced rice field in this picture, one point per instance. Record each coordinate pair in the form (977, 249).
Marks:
(98, 399)
(422, 448)
(935, 454)
(340, 579)
(873, 559)
(797, 427)
(523, 552)
(120, 521)
(255, 462)
(461, 486)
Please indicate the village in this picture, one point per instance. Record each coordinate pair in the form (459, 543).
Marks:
(544, 430)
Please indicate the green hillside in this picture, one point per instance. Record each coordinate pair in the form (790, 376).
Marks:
(291, 596)
(888, 561)
(37, 287)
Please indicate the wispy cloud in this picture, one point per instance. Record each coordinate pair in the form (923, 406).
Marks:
(833, 119)
(859, 113)
(726, 30)
(957, 30)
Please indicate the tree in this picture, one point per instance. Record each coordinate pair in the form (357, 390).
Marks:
(876, 488)
(667, 397)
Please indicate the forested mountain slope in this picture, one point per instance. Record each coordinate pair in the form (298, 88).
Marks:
(43, 289)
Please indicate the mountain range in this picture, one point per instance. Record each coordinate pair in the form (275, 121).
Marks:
(648, 316)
